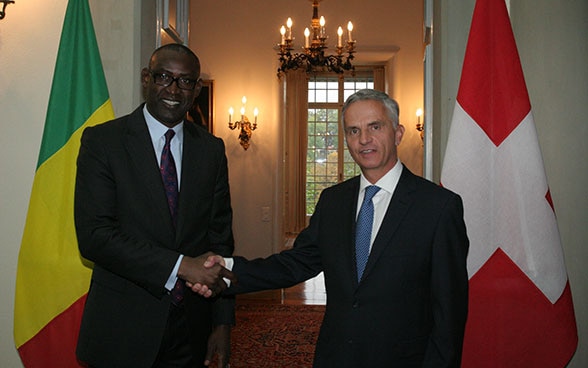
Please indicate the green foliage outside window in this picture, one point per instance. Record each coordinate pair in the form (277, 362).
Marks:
(328, 161)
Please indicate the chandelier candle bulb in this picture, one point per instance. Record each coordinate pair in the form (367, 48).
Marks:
(306, 36)
(255, 113)
(339, 34)
(244, 102)
(289, 25)
(322, 23)
(349, 29)
(230, 114)
(283, 33)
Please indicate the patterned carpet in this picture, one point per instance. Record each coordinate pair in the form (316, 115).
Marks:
(275, 335)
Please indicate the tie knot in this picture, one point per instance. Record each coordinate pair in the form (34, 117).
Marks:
(169, 135)
(370, 192)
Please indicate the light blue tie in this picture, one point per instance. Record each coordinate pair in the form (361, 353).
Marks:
(363, 229)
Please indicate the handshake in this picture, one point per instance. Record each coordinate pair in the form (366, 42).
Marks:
(206, 274)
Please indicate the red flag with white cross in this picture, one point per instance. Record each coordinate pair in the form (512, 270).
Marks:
(520, 309)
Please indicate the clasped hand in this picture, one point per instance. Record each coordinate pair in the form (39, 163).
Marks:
(212, 261)
(203, 276)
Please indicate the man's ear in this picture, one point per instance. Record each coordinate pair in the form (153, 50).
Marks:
(398, 134)
(145, 76)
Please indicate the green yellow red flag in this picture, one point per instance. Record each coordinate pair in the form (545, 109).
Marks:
(52, 279)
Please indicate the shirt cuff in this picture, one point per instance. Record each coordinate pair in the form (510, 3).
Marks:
(173, 277)
(229, 262)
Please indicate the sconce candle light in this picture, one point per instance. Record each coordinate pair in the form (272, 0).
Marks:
(420, 127)
(3, 10)
(245, 126)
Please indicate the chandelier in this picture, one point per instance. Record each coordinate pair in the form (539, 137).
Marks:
(313, 57)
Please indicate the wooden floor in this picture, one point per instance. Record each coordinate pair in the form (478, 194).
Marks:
(311, 292)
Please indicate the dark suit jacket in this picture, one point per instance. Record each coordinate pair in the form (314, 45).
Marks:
(124, 226)
(410, 308)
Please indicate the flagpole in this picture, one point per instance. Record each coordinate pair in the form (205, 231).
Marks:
(428, 97)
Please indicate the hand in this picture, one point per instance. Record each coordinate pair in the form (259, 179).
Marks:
(192, 271)
(219, 343)
(211, 261)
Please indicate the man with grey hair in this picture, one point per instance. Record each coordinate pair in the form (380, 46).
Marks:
(393, 250)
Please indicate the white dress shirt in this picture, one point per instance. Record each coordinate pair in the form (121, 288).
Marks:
(381, 200)
(157, 132)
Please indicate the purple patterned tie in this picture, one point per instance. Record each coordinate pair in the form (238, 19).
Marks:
(169, 175)
(170, 182)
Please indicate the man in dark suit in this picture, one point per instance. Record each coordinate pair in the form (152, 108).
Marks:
(408, 306)
(152, 194)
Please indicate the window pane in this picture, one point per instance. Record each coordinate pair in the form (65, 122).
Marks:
(353, 85)
(321, 84)
(350, 168)
(311, 95)
(322, 155)
(323, 89)
(332, 96)
(321, 95)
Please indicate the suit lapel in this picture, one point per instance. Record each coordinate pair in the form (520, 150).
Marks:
(193, 148)
(140, 149)
(400, 203)
(349, 213)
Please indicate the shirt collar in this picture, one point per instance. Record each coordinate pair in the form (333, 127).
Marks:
(158, 130)
(387, 182)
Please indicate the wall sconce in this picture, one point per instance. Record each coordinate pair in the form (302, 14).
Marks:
(3, 11)
(420, 127)
(246, 128)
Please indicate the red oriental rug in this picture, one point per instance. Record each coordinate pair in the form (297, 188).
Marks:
(274, 336)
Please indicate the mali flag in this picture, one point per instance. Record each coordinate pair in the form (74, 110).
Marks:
(52, 278)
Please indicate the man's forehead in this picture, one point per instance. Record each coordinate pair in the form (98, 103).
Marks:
(365, 113)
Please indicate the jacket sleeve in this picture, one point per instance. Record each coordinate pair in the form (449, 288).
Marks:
(285, 269)
(106, 223)
(449, 280)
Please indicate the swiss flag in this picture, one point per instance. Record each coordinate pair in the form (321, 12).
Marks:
(520, 309)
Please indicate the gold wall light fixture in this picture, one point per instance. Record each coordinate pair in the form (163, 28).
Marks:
(420, 126)
(3, 11)
(245, 127)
